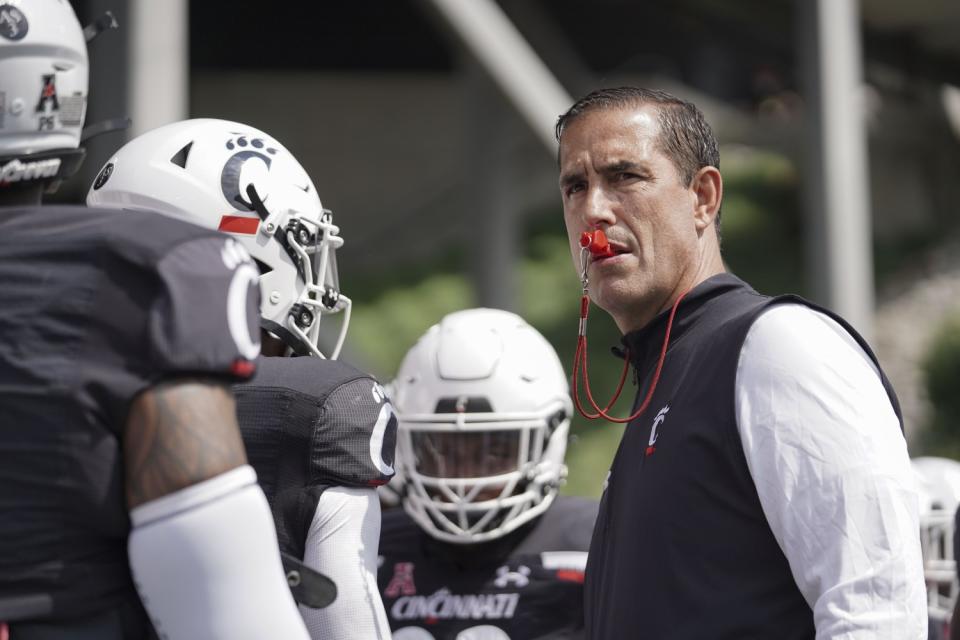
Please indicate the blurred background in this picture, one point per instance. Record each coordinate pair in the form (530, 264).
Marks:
(427, 128)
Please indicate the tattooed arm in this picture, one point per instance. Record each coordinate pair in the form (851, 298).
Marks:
(178, 434)
(203, 550)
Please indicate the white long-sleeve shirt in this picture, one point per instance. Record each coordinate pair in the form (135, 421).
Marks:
(342, 544)
(830, 463)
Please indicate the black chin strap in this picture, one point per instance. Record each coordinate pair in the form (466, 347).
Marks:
(256, 202)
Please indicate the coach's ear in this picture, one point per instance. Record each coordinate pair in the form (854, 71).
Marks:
(707, 190)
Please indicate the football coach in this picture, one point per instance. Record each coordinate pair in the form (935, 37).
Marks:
(762, 488)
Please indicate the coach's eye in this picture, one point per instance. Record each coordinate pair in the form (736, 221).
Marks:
(576, 187)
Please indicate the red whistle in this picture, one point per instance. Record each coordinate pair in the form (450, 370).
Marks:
(596, 241)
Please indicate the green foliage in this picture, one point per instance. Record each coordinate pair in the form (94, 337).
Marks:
(941, 369)
(386, 325)
(762, 224)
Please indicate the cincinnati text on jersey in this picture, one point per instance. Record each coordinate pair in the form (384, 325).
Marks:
(15, 171)
(444, 605)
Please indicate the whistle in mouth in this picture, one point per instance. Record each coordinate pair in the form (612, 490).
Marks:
(596, 242)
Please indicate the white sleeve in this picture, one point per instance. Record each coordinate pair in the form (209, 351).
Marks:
(342, 543)
(206, 563)
(830, 464)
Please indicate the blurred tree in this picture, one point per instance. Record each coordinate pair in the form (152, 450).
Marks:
(762, 221)
(941, 370)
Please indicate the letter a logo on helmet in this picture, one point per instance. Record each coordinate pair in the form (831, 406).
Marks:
(48, 95)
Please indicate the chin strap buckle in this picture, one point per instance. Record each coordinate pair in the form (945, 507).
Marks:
(309, 587)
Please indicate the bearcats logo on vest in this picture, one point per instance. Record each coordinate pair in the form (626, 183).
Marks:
(654, 433)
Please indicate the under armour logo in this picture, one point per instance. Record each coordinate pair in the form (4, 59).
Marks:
(519, 578)
(654, 434)
(402, 581)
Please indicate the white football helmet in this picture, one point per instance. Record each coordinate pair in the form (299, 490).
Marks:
(43, 91)
(484, 413)
(235, 178)
(939, 482)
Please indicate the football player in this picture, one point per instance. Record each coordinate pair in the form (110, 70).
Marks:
(319, 433)
(939, 482)
(483, 547)
(119, 447)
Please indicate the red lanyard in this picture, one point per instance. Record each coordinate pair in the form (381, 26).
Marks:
(596, 243)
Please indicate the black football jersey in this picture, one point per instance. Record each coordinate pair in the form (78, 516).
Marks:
(310, 424)
(95, 307)
(527, 585)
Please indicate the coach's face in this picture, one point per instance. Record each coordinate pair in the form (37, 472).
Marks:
(615, 177)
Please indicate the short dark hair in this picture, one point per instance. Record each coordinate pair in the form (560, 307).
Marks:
(685, 135)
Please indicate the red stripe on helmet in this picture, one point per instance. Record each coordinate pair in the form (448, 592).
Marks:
(239, 224)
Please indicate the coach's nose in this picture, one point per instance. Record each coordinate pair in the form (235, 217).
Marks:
(599, 208)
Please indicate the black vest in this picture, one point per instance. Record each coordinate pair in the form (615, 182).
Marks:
(681, 548)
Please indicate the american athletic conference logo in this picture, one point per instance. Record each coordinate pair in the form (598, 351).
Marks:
(655, 430)
(402, 581)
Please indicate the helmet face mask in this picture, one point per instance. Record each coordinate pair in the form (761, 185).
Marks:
(484, 417)
(311, 246)
(232, 177)
(478, 479)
